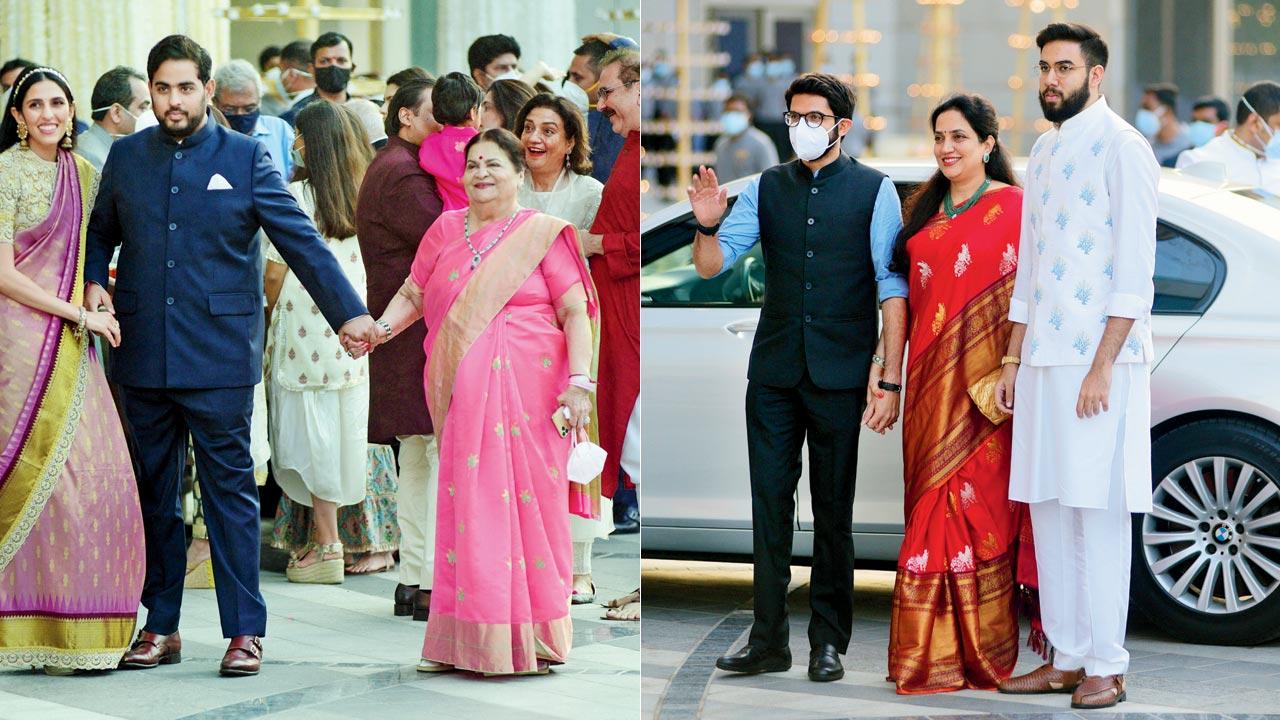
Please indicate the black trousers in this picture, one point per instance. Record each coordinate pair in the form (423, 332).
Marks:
(778, 422)
(218, 422)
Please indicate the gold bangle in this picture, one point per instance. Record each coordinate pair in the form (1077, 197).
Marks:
(1010, 359)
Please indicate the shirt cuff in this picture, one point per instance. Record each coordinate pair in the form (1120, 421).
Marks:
(1018, 311)
(1127, 306)
(893, 286)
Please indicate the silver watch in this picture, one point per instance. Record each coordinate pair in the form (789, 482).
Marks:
(386, 326)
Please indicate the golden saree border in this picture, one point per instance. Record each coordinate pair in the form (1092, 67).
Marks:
(939, 413)
(499, 648)
(953, 630)
(84, 643)
(40, 461)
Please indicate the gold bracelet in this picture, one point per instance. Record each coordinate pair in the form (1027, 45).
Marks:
(1010, 359)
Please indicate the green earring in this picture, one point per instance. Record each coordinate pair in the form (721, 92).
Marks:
(986, 156)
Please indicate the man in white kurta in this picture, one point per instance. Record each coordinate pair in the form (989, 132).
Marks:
(1242, 151)
(1082, 305)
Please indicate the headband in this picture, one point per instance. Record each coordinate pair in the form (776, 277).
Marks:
(27, 75)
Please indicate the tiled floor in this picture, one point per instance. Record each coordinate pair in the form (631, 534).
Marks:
(337, 652)
(696, 611)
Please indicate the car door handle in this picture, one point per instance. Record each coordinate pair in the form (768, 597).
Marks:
(741, 327)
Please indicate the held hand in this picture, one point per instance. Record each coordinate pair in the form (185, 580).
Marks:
(883, 412)
(96, 296)
(1095, 392)
(708, 199)
(578, 402)
(104, 325)
(1004, 388)
(355, 335)
(873, 392)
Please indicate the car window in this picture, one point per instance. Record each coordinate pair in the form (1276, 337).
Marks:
(1188, 273)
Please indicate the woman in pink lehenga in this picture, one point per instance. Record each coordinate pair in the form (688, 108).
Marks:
(509, 308)
(71, 548)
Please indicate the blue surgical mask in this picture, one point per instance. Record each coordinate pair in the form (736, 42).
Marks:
(662, 70)
(733, 122)
(755, 69)
(1147, 122)
(722, 85)
(1201, 132)
(296, 155)
(244, 124)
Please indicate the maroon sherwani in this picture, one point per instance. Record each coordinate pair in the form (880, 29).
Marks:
(617, 277)
(398, 202)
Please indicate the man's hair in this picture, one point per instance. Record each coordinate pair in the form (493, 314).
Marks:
(1165, 93)
(487, 47)
(267, 53)
(408, 95)
(16, 64)
(296, 53)
(839, 95)
(1092, 46)
(405, 76)
(597, 45)
(454, 97)
(330, 39)
(740, 98)
(179, 47)
(236, 76)
(628, 60)
(1220, 109)
(114, 87)
(1264, 97)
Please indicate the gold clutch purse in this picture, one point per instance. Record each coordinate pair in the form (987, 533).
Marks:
(983, 393)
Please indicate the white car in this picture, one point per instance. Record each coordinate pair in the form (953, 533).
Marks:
(1206, 561)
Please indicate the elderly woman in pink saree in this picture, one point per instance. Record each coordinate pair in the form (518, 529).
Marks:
(71, 548)
(509, 307)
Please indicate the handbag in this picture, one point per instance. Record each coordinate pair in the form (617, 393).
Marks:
(983, 393)
(586, 461)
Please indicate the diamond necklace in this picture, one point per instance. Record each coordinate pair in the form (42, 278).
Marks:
(466, 234)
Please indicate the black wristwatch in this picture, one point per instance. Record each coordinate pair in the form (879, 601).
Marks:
(709, 231)
(891, 387)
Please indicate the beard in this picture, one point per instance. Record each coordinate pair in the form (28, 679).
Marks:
(183, 128)
(1068, 107)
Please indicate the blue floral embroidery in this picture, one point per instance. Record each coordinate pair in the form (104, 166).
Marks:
(1084, 293)
(1059, 268)
(1057, 143)
(1055, 319)
(1082, 344)
(1062, 219)
(1085, 243)
(1035, 344)
(1039, 170)
(1134, 346)
(1109, 270)
(1040, 246)
(1039, 294)
(1069, 169)
(1109, 223)
(1097, 148)
(1103, 318)
(1044, 197)
(1088, 194)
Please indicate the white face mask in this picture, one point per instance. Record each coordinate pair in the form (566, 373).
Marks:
(508, 75)
(571, 91)
(145, 120)
(811, 143)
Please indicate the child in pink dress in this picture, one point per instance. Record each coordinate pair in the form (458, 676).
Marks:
(455, 103)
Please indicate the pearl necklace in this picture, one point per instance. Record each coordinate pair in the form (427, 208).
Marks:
(466, 234)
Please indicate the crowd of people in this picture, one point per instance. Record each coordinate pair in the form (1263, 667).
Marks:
(190, 282)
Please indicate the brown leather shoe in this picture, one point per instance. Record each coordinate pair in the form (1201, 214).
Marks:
(422, 605)
(1099, 691)
(1044, 679)
(244, 656)
(404, 599)
(150, 650)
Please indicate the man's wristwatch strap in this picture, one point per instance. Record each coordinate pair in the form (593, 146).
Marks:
(891, 387)
(709, 231)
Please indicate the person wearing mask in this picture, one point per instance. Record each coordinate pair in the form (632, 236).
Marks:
(778, 73)
(331, 67)
(119, 99)
(291, 82)
(1210, 117)
(269, 58)
(238, 95)
(1250, 152)
(398, 79)
(502, 103)
(398, 202)
(830, 221)
(742, 150)
(580, 86)
(1158, 121)
(455, 102)
(493, 57)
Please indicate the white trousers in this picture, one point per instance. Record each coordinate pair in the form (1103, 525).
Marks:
(1082, 558)
(419, 479)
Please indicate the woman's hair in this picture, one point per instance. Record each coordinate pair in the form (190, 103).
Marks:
(24, 83)
(505, 140)
(337, 154)
(509, 96)
(575, 128)
(923, 202)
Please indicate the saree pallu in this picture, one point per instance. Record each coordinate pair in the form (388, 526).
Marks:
(496, 361)
(954, 622)
(71, 546)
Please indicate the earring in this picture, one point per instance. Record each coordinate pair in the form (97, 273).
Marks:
(986, 156)
(67, 141)
(22, 135)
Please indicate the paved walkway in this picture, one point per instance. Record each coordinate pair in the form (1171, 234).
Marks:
(336, 651)
(696, 611)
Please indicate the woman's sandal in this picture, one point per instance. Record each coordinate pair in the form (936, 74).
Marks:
(583, 598)
(626, 607)
(324, 571)
(388, 563)
(431, 666)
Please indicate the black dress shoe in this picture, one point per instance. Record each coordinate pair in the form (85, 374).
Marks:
(404, 599)
(751, 659)
(421, 605)
(628, 521)
(824, 664)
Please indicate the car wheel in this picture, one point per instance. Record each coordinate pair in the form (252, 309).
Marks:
(1206, 560)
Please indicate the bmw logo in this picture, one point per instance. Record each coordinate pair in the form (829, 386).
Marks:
(1222, 534)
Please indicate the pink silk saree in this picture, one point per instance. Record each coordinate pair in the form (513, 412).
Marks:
(71, 545)
(496, 361)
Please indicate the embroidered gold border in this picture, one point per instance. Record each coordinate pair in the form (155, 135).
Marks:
(82, 643)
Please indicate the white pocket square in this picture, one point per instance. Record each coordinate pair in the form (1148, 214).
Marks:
(217, 182)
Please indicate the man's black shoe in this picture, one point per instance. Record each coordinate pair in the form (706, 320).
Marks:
(751, 659)
(628, 523)
(824, 664)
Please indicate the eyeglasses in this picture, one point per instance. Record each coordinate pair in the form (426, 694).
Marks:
(603, 93)
(238, 109)
(812, 119)
(1061, 68)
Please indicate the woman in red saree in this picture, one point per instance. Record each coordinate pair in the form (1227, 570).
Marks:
(509, 308)
(954, 622)
(71, 548)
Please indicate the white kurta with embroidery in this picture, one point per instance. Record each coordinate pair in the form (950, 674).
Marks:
(1087, 253)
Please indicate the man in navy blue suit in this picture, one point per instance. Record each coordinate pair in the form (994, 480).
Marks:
(184, 201)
